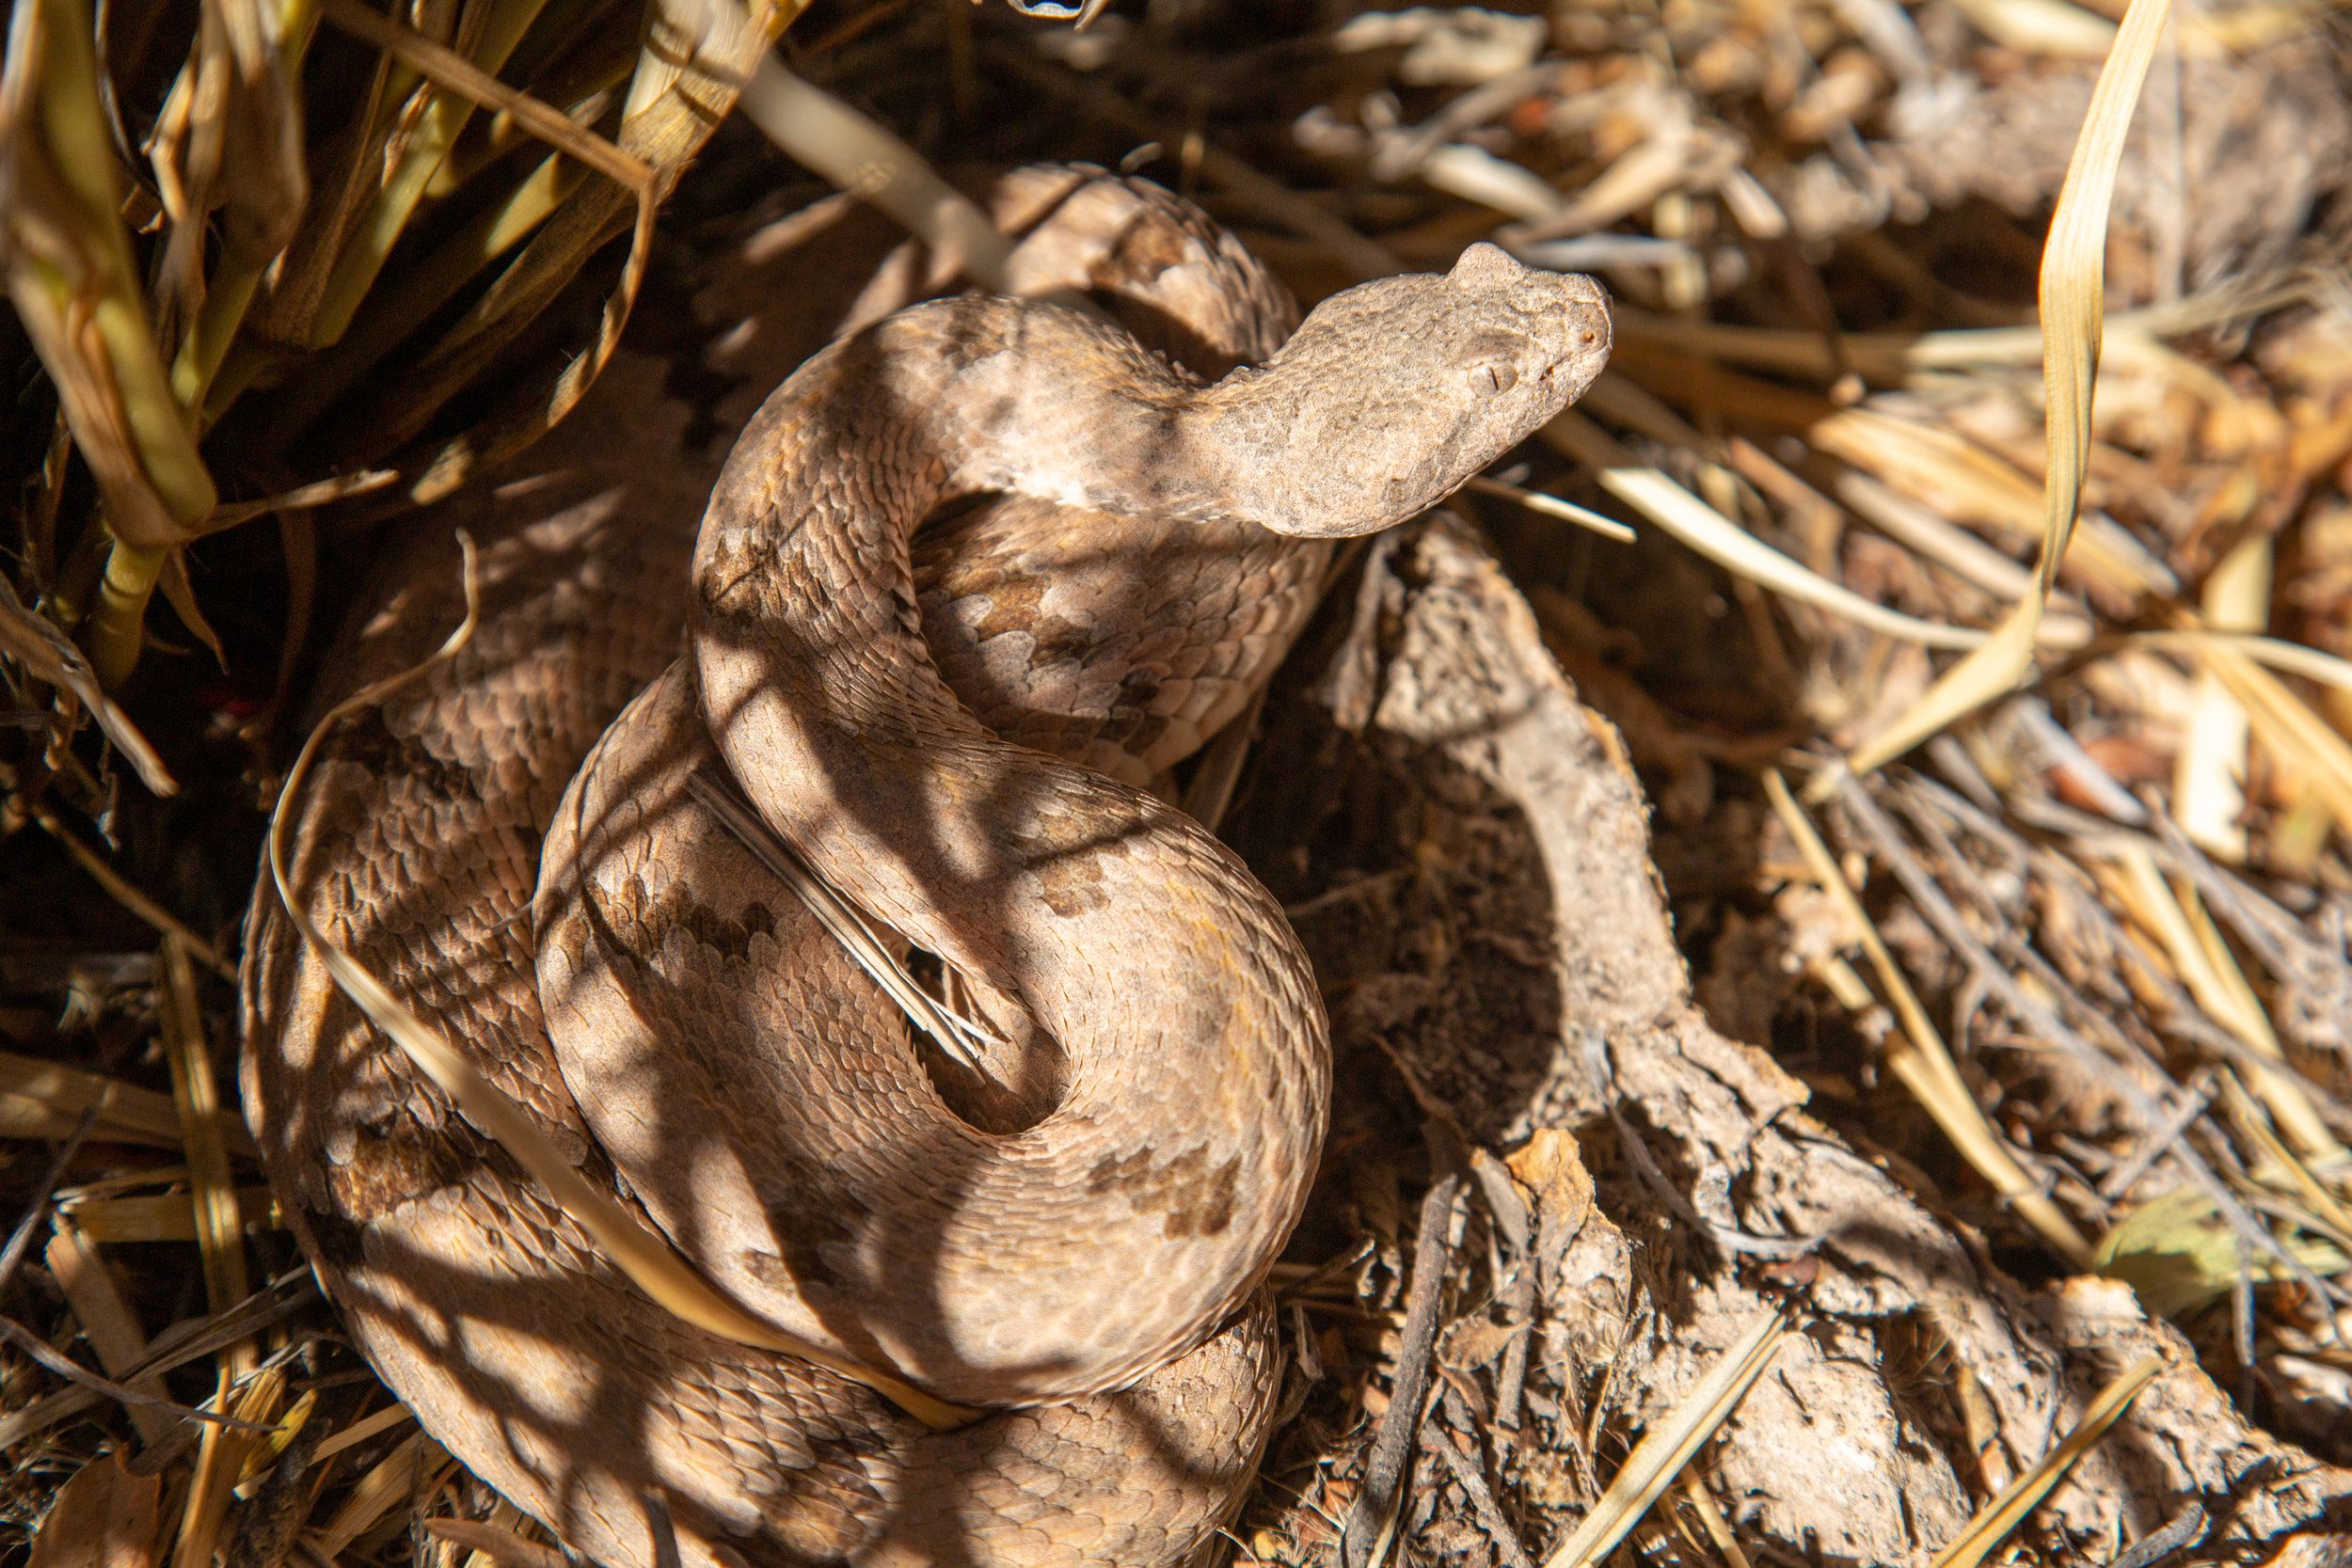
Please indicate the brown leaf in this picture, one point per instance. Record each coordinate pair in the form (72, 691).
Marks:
(1552, 1169)
(105, 1517)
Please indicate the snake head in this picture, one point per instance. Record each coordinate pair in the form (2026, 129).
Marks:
(1390, 395)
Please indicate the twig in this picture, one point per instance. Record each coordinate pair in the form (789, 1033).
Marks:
(121, 890)
(174, 1347)
(1371, 1517)
(2196, 1098)
(21, 1239)
(503, 1548)
(2182, 1528)
(1471, 1476)
(2152, 1107)
(1730, 1238)
(72, 1371)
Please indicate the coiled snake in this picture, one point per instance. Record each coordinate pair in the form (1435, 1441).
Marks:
(1077, 1234)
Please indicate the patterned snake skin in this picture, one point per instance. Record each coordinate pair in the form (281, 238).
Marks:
(1077, 1232)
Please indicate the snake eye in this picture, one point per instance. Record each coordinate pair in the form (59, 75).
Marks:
(1495, 375)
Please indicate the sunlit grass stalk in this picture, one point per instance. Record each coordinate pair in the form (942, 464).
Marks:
(2074, 289)
(1918, 1055)
(78, 294)
(445, 116)
(404, 302)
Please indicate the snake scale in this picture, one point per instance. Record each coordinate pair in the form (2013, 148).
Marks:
(1076, 1234)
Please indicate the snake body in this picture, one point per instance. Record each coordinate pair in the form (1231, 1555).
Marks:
(1077, 1232)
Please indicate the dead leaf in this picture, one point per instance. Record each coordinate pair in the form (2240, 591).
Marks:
(105, 1517)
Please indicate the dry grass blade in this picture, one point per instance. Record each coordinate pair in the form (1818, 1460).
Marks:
(177, 1347)
(502, 1547)
(36, 1095)
(361, 1430)
(1552, 506)
(476, 86)
(196, 1094)
(1921, 1060)
(2311, 664)
(696, 53)
(862, 158)
(2176, 918)
(1899, 357)
(403, 1473)
(38, 1350)
(220, 1242)
(77, 291)
(105, 1517)
(129, 898)
(2005, 1513)
(2285, 725)
(326, 492)
(1661, 1453)
(75, 285)
(1725, 542)
(427, 130)
(2208, 779)
(21, 1240)
(1360, 256)
(107, 1320)
(51, 657)
(244, 68)
(634, 1247)
(166, 1216)
(2074, 271)
(960, 1038)
(220, 1459)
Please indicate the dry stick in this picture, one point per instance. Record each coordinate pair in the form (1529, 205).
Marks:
(2187, 1525)
(2278, 940)
(2241, 904)
(1471, 1475)
(1371, 1517)
(1508, 1212)
(662, 1527)
(1941, 916)
(1925, 1061)
(2184, 1019)
(33, 1345)
(2301, 1218)
(121, 889)
(1730, 1238)
(1210, 796)
(503, 1548)
(2196, 1098)
(1940, 913)
(21, 1239)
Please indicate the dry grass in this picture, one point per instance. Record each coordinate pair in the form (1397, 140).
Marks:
(2067, 670)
